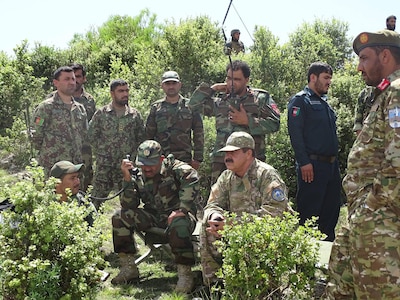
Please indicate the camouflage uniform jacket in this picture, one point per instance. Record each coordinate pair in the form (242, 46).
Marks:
(260, 191)
(173, 126)
(236, 46)
(88, 102)
(59, 131)
(113, 137)
(363, 106)
(262, 118)
(374, 159)
(176, 187)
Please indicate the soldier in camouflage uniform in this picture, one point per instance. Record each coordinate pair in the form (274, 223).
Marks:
(68, 173)
(174, 125)
(365, 258)
(115, 131)
(165, 190)
(235, 45)
(363, 107)
(249, 185)
(237, 111)
(60, 123)
(80, 95)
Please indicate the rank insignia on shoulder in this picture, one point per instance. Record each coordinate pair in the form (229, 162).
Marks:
(295, 111)
(278, 194)
(384, 84)
(394, 117)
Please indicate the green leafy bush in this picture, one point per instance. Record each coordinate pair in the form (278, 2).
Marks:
(268, 258)
(48, 251)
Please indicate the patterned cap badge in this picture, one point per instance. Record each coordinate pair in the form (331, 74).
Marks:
(146, 152)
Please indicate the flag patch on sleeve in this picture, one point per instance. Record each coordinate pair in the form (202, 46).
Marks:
(39, 121)
(295, 111)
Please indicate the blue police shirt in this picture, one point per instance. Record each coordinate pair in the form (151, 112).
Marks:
(312, 126)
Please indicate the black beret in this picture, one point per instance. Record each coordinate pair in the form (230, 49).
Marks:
(373, 39)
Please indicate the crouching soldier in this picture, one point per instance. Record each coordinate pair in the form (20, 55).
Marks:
(166, 188)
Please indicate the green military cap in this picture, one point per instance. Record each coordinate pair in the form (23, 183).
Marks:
(65, 167)
(170, 76)
(372, 39)
(149, 153)
(238, 140)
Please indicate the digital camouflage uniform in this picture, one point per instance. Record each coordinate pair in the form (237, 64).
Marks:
(365, 258)
(261, 191)
(234, 46)
(88, 102)
(175, 126)
(174, 188)
(59, 131)
(363, 107)
(263, 119)
(112, 138)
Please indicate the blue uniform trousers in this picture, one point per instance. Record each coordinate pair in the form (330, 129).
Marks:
(321, 197)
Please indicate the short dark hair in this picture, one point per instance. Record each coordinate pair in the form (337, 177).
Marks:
(117, 82)
(253, 152)
(390, 17)
(57, 73)
(317, 68)
(76, 67)
(239, 65)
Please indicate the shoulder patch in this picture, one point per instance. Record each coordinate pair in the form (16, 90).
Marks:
(295, 111)
(278, 194)
(394, 117)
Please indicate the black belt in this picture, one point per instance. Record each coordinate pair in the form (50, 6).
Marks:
(329, 159)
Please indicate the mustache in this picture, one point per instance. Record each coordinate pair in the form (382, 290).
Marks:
(229, 160)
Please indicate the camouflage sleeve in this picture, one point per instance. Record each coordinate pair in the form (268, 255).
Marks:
(41, 119)
(198, 137)
(361, 109)
(201, 101)
(274, 194)
(189, 185)
(94, 129)
(140, 134)
(268, 120)
(130, 198)
(90, 108)
(218, 201)
(151, 125)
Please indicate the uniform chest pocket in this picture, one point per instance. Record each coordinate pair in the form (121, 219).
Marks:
(185, 114)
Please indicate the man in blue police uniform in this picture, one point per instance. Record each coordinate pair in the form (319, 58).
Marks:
(312, 130)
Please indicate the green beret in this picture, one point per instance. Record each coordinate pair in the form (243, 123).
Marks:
(373, 39)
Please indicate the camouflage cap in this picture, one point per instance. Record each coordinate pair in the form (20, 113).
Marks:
(65, 167)
(379, 38)
(170, 76)
(149, 153)
(238, 140)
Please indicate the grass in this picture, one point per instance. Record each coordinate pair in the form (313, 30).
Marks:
(156, 282)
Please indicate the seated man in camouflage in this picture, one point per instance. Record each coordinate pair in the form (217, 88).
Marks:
(248, 185)
(167, 189)
(69, 174)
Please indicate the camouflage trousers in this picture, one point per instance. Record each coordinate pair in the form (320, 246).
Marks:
(88, 161)
(106, 179)
(178, 234)
(211, 259)
(365, 257)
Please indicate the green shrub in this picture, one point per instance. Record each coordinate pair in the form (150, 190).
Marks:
(268, 258)
(48, 251)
